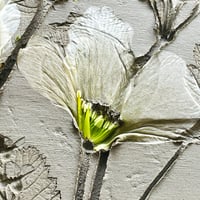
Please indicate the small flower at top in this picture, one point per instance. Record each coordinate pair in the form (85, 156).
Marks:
(169, 18)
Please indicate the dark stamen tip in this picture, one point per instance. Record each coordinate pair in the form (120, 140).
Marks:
(88, 146)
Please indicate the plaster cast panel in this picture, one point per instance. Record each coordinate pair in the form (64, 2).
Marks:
(131, 167)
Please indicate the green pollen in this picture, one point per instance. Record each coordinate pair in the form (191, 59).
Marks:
(96, 125)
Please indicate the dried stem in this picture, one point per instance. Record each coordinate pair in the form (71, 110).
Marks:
(165, 30)
(164, 171)
(34, 24)
(84, 164)
(100, 172)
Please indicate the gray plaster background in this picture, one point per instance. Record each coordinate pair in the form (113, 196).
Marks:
(131, 167)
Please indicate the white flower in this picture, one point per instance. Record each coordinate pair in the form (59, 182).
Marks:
(9, 23)
(93, 80)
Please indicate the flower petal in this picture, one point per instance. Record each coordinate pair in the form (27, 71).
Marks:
(41, 63)
(9, 23)
(103, 21)
(100, 49)
(136, 137)
(164, 100)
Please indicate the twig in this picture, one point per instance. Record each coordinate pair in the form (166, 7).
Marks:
(102, 164)
(82, 174)
(164, 171)
(11, 60)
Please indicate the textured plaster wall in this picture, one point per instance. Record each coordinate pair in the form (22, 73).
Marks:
(131, 167)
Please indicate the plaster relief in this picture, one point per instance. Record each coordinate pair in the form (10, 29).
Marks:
(24, 173)
(88, 67)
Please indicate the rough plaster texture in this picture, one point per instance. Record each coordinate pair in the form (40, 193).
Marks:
(131, 167)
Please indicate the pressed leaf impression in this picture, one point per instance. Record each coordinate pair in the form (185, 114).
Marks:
(24, 174)
(195, 69)
(94, 79)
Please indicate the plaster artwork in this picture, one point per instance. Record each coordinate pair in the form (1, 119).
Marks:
(112, 98)
(24, 173)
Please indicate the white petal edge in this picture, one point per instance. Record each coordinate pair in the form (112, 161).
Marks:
(42, 64)
(103, 62)
(9, 23)
(103, 21)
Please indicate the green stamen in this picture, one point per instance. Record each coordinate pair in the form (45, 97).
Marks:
(79, 110)
(96, 124)
(86, 127)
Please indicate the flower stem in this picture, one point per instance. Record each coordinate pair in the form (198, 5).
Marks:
(155, 48)
(82, 174)
(164, 171)
(100, 172)
(40, 14)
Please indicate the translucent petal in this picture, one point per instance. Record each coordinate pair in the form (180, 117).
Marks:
(41, 63)
(164, 100)
(135, 137)
(99, 48)
(103, 21)
(9, 23)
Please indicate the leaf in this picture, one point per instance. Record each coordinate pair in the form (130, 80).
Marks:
(196, 52)
(24, 175)
(195, 69)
